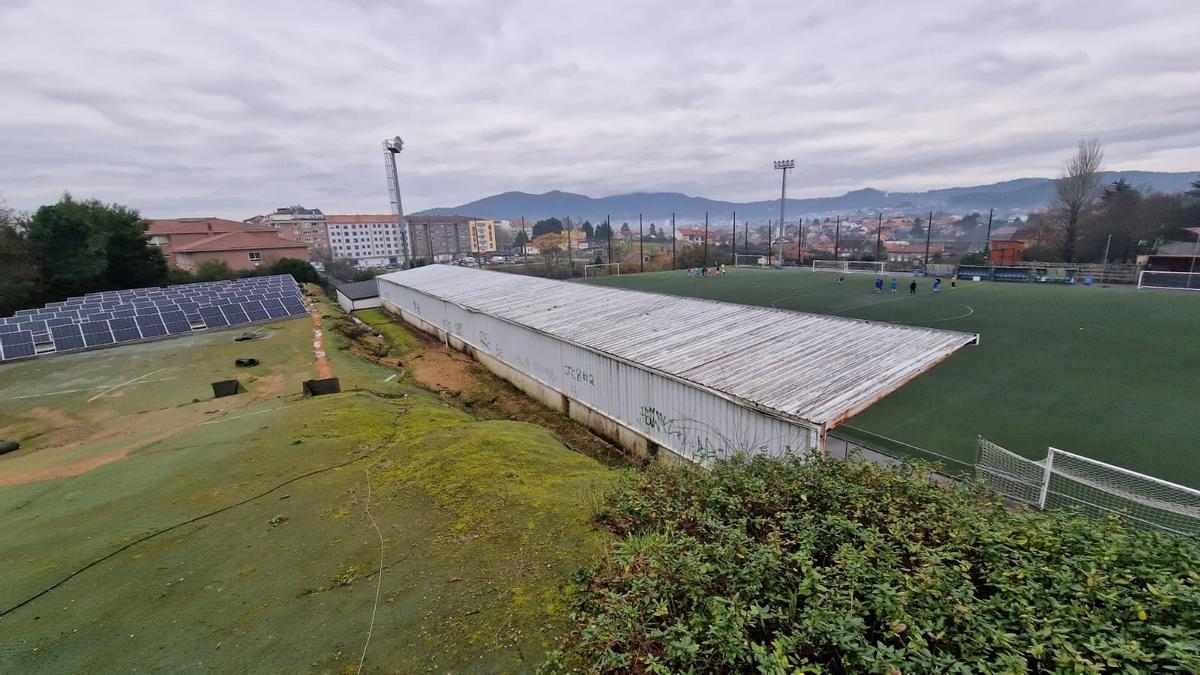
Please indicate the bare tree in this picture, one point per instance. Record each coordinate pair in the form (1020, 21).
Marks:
(1076, 190)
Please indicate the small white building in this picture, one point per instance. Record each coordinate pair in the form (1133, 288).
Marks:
(358, 295)
(652, 372)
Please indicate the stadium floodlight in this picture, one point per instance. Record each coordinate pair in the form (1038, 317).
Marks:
(782, 165)
(391, 148)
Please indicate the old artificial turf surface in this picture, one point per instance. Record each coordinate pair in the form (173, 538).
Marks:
(1110, 373)
(482, 521)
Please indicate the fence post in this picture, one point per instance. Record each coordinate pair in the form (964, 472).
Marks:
(1046, 479)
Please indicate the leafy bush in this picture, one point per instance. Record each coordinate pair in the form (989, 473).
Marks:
(820, 565)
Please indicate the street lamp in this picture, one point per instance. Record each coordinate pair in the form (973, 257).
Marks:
(782, 165)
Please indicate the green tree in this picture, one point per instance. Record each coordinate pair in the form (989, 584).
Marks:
(626, 232)
(917, 230)
(214, 270)
(20, 280)
(301, 270)
(603, 232)
(588, 230)
(521, 239)
(1195, 191)
(653, 231)
(86, 246)
(547, 226)
(178, 275)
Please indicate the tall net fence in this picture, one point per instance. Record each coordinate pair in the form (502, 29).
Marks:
(1065, 479)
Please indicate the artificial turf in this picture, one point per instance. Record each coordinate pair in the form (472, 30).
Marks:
(1110, 373)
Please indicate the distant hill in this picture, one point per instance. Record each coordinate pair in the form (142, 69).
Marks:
(1007, 197)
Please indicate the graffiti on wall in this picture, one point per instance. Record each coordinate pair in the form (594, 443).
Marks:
(704, 443)
(579, 375)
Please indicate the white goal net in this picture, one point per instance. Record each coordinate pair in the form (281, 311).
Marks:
(855, 266)
(753, 260)
(864, 266)
(1065, 479)
(602, 270)
(1186, 281)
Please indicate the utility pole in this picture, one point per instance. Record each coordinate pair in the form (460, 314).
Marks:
(770, 242)
(837, 238)
(988, 241)
(570, 257)
(745, 239)
(1104, 269)
(706, 238)
(641, 246)
(928, 237)
(672, 240)
(735, 238)
(782, 165)
(608, 222)
(878, 236)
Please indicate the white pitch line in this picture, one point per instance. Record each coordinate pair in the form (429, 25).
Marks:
(76, 391)
(238, 417)
(970, 311)
(114, 388)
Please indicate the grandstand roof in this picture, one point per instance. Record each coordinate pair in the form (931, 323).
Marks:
(815, 368)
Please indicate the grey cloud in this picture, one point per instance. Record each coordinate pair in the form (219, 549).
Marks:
(226, 108)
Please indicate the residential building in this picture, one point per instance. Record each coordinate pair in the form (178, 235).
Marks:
(1006, 252)
(442, 238)
(483, 235)
(172, 235)
(240, 250)
(689, 235)
(369, 240)
(911, 252)
(299, 224)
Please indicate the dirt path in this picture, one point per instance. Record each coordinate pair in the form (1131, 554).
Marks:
(324, 370)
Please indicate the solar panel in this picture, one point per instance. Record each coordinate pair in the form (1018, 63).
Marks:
(17, 345)
(33, 326)
(8, 328)
(151, 326)
(96, 333)
(67, 337)
(213, 318)
(255, 311)
(125, 329)
(176, 322)
(234, 314)
(124, 313)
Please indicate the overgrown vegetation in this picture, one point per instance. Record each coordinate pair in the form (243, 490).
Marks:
(843, 566)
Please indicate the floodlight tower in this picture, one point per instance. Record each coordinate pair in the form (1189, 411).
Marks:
(782, 165)
(391, 148)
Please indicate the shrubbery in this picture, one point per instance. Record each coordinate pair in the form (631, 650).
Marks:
(844, 566)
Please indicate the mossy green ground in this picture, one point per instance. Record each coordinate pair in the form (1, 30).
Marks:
(482, 521)
(1106, 372)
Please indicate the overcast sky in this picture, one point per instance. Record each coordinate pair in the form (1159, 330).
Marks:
(234, 108)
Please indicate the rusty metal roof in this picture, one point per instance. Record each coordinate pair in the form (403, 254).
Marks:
(816, 368)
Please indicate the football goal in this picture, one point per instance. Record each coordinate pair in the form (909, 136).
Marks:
(749, 260)
(1184, 281)
(859, 266)
(602, 270)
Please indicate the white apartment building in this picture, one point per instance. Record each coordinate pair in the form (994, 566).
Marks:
(368, 240)
(298, 223)
(483, 235)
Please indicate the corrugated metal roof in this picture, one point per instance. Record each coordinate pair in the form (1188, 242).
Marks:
(817, 368)
(359, 290)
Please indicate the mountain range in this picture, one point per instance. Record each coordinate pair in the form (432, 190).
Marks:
(1009, 197)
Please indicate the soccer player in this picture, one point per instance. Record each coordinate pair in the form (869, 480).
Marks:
(841, 279)
(878, 284)
(895, 286)
(937, 285)
(912, 287)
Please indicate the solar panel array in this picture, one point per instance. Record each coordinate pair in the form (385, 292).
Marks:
(114, 317)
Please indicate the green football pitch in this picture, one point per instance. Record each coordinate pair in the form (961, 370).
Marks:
(1111, 373)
